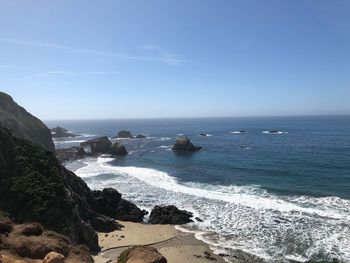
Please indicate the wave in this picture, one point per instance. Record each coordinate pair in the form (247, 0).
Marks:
(238, 217)
(274, 132)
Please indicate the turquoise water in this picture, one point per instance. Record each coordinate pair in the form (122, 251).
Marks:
(281, 196)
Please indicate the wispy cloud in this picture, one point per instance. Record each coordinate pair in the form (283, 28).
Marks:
(76, 73)
(11, 67)
(161, 58)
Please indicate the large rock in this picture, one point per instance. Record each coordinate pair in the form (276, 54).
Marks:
(117, 149)
(169, 215)
(22, 124)
(104, 145)
(98, 145)
(109, 202)
(184, 144)
(60, 132)
(140, 136)
(124, 134)
(36, 187)
(141, 254)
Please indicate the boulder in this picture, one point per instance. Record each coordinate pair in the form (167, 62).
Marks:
(118, 149)
(184, 144)
(169, 215)
(110, 203)
(81, 152)
(60, 132)
(141, 254)
(124, 134)
(22, 124)
(98, 145)
(54, 257)
(140, 136)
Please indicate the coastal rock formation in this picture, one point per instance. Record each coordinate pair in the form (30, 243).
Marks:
(71, 154)
(117, 149)
(169, 215)
(104, 145)
(184, 144)
(124, 134)
(36, 187)
(98, 145)
(22, 124)
(22, 242)
(141, 254)
(60, 132)
(140, 136)
(110, 203)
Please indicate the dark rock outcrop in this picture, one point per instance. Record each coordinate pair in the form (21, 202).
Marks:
(124, 134)
(110, 203)
(22, 124)
(60, 132)
(104, 145)
(71, 154)
(34, 186)
(141, 254)
(98, 145)
(184, 144)
(169, 215)
(140, 136)
(117, 149)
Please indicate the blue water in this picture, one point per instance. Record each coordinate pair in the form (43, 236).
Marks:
(294, 186)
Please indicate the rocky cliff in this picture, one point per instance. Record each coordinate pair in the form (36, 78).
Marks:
(34, 186)
(22, 124)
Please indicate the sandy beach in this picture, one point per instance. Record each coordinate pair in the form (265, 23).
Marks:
(173, 244)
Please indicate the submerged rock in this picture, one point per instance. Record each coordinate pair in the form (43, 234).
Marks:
(141, 254)
(22, 124)
(60, 132)
(169, 215)
(184, 144)
(124, 134)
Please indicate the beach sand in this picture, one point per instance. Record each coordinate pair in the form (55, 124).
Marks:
(174, 245)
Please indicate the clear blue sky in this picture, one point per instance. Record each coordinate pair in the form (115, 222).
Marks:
(65, 59)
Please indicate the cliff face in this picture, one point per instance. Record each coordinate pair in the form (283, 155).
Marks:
(34, 186)
(22, 124)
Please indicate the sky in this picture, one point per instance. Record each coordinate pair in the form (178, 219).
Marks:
(85, 59)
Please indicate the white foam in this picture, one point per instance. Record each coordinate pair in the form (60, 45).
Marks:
(237, 217)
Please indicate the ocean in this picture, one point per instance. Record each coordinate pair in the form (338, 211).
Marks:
(284, 197)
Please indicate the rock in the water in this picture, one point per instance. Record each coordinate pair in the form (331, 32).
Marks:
(104, 145)
(81, 152)
(98, 145)
(169, 215)
(118, 149)
(22, 124)
(140, 136)
(54, 257)
(141, 254)
(124, 134)
(184, 144)
(60, 132)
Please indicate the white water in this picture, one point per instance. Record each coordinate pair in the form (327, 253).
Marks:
(238, 217)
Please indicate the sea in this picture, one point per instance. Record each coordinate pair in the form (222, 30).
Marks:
(274, 187)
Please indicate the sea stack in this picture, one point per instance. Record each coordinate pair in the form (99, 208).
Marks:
(184, 144)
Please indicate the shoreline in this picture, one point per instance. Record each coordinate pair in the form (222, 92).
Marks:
(174, 244)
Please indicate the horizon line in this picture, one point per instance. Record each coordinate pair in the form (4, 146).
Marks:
(208, 117)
